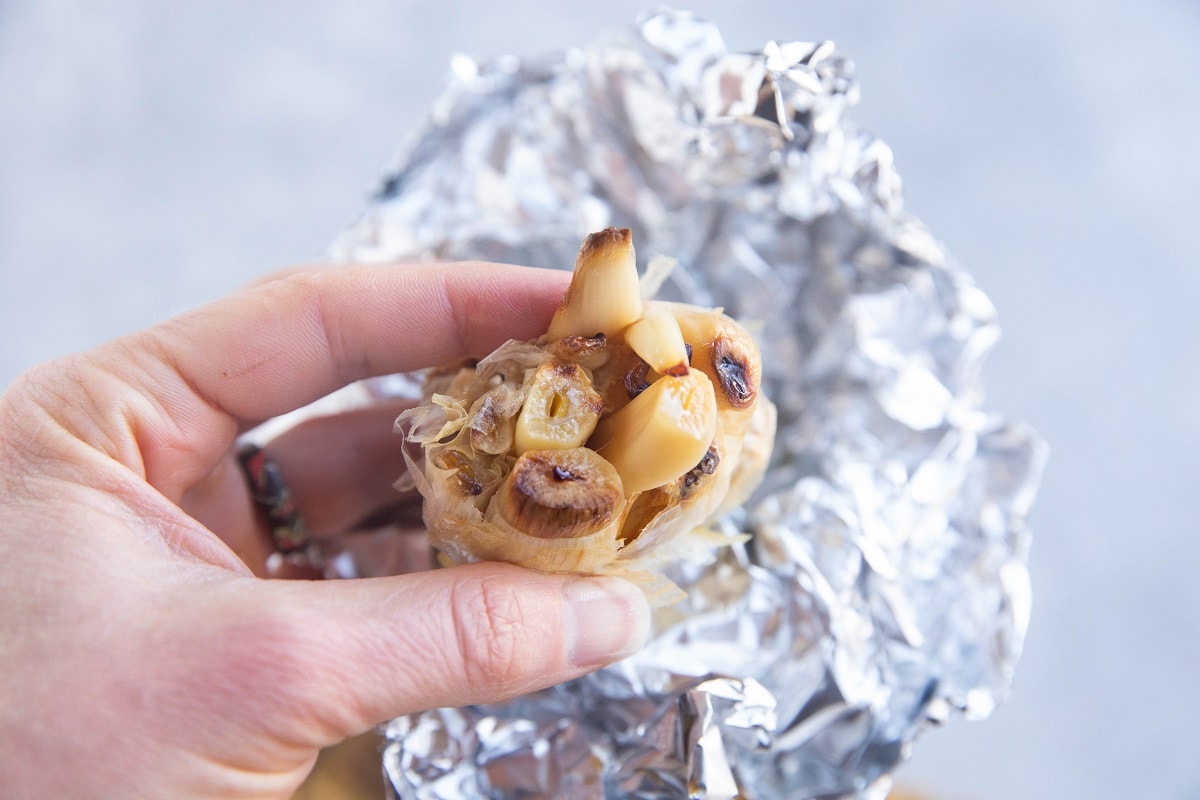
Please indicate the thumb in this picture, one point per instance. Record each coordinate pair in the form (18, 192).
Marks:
(481, 633)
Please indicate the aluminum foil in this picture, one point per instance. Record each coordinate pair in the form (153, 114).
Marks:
(885, 585)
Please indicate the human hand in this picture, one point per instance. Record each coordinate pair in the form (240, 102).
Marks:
(139, 654)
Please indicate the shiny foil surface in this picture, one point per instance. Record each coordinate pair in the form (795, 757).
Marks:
(885, 584)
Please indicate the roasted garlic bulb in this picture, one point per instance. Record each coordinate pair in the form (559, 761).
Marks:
(601, 446)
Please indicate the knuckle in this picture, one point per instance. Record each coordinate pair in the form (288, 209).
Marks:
(39, 407)
(488, 620)
(325, 318)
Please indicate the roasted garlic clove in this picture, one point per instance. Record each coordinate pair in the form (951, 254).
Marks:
(657, 340)
(662, 433)
(736, 369)
(724, 351)
(604, 295)
(561, 494)
(561, 409)
(588, 352)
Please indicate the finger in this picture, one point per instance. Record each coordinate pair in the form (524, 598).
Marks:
(289, 271)
(222, 503)
(342, 468)
(280, 345)
(377, 648)
(382, 551)
(290, 341)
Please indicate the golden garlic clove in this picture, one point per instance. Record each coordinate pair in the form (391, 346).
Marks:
(662, 433)
(460, 466)
(657, 340)
(589, 352)
(559, 494)
(695, 479)
(738, 368)
(637, 379)
(560, 411)
(604, 295)
(724, 351)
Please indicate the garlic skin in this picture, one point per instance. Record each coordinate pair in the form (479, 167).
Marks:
(600, 447)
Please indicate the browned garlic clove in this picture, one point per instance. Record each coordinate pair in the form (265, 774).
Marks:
(604, 295)
(561, 494)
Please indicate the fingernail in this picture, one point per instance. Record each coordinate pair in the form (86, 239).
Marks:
(607, 619)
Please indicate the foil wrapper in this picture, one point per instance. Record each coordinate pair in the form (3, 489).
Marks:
(885, 584)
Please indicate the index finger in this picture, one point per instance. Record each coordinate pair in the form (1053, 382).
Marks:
(278, 346)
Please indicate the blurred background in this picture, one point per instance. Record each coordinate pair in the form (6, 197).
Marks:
(154, 156)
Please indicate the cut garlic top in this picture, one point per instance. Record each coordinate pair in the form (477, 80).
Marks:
(602, 445)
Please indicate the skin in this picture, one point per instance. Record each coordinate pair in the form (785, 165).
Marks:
(142, 653)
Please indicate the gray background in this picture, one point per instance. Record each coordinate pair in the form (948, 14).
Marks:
(154, 156)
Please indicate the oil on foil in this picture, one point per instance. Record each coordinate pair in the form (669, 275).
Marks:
(885, 585)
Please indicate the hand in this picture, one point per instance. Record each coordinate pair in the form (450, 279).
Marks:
(139, 654)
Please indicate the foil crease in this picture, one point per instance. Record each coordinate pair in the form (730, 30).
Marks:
(885, 586)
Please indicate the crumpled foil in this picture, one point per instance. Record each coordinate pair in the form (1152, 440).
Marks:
(885, 585)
